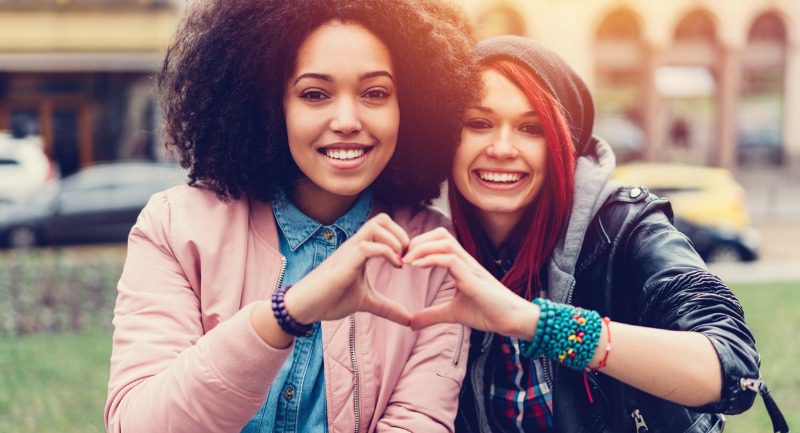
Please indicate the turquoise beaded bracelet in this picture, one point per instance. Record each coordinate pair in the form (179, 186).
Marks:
(567, 334)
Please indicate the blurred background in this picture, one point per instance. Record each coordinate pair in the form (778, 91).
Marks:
(699, 98)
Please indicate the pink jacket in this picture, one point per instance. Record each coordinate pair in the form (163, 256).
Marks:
(186, 358)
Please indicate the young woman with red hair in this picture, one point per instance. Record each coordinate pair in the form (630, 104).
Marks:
(550, 247)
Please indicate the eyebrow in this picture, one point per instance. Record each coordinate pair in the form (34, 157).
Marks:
(329, 78)
(488, 110)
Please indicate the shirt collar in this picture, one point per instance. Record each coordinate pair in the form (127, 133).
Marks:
(298, 228)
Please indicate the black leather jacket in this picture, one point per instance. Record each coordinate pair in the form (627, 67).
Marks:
(636, 268)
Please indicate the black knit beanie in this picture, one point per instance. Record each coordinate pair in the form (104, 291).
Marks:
(555, 74)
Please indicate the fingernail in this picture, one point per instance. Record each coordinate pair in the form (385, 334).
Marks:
(400, 259)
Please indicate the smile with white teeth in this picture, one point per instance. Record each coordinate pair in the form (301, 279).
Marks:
(491, 176)
(344, 154)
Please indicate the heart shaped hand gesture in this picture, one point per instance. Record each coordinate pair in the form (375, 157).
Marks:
(481, 301)
(339, 287)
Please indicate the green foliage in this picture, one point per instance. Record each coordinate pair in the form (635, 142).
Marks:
(55, 291)
(771, 313)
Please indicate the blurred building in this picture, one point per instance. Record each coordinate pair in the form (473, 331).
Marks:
(702, 81)
(79, 72)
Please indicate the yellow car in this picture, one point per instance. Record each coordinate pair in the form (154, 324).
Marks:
(705, 197)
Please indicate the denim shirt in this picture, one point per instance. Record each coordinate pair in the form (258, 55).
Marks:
(296, 399)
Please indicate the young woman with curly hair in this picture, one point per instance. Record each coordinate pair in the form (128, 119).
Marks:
(314, 132)
(550, 245)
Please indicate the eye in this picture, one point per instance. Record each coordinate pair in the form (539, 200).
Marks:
(532, 129)
(477, 124)
(314, 95)
(376, 93)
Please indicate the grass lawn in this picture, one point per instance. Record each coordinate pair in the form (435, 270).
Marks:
(771, 312)
(57, 383)
(54, 383)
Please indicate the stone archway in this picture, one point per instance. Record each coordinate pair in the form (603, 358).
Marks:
(688, 83)
(621, 84)
(761, 105)
(500, 20)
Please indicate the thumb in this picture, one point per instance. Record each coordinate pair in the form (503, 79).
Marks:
(380, 305)
(441, 313)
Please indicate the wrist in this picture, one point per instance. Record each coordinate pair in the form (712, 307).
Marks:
(267, 327)
(524, 317)
(287, 318)
(296, 304)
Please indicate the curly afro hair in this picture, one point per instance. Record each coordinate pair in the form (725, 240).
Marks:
(223, 79)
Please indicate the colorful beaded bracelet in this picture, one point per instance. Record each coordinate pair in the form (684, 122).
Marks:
(564, 333)
(285, 320)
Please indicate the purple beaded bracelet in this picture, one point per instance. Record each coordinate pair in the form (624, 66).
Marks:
(288, 324)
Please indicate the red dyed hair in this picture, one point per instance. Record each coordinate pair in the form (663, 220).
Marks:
(549, 212)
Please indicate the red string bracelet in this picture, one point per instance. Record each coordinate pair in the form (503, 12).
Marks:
(602, 363)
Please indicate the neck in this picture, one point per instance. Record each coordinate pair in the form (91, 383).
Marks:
(498, 226)
(320, 205)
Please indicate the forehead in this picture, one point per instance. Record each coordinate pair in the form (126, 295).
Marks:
(502, 95)
(338, 46)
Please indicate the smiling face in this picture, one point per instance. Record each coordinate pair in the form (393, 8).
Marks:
(500, 165)
(342, 115)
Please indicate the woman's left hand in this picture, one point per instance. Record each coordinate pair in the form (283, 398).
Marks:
(481, 301)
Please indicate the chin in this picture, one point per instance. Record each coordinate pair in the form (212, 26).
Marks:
(347, 189)
(498, 206)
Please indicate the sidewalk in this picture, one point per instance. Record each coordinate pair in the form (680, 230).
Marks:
(772, 194)
(758, 272)
(773, 200)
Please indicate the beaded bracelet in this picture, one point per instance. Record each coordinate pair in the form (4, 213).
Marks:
(285, 320)
(564, 333)
(602, 363)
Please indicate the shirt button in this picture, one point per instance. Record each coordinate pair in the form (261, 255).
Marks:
(636, 192)
(328, 234)
(288, 394)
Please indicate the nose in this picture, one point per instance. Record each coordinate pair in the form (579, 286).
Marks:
(346, 119)
(503, 146)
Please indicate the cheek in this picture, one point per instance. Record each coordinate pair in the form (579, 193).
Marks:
(388, 122)
(461, 167)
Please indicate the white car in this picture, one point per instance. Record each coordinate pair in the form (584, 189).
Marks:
(24, 167)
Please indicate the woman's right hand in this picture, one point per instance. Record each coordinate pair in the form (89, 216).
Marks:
(481, 301)
(339, 287)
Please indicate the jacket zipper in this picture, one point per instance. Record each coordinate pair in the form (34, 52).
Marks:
(750, 384)
(354, 362)
(481, 365)
(458, 347)
(546, 370)
(638, 419)
(282, 274)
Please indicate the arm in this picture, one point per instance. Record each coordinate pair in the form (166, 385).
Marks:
(680, 295)
(166, 375)
(673, 364)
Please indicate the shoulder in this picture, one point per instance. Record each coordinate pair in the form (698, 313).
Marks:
(188, 211)
(629, 206)
(420, 219)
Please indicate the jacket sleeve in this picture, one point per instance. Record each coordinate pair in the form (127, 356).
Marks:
(680, 294)
(426, 396)
(168, 374)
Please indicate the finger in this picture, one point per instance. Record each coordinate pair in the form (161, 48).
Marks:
(382, 235)
(431, 235)
(438, 246)
(380, 305)
(377, 249)
(388, 223)
(465, 276)
(442, 313)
